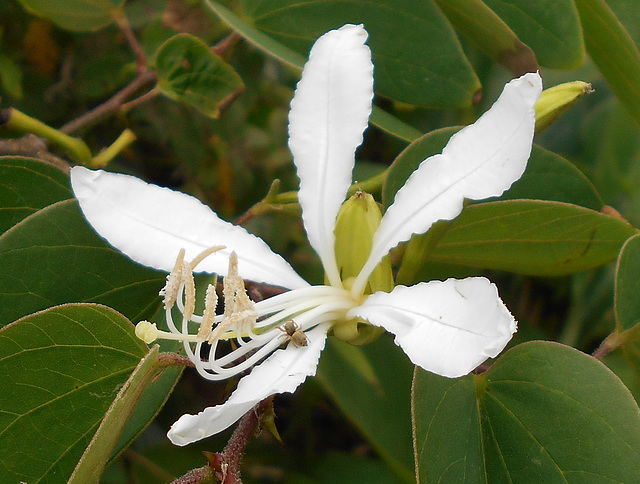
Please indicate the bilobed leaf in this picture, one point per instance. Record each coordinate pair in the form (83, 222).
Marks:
(544, 412)
(532, 237)
(417, 55)
(550, 27)
(490, 34)
(75, 15)
(26, 186)
(61, 370)
(189, 72)
(53, 257)
(379, 406)
(613, 51)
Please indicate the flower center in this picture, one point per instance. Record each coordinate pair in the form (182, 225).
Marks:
(224, 345)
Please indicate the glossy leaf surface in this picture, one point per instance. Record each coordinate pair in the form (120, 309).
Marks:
(543, 413)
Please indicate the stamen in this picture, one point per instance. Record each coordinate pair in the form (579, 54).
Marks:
(208, 317)
(170, 290)
(189, 292)
(149, 332)
(237, 305)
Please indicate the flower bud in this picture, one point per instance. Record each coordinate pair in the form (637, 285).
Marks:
(357, 222)
(557, 100)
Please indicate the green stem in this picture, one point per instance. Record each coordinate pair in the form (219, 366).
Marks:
(18, 121)
(105, 156)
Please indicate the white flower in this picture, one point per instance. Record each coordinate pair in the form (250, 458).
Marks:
(446, 327)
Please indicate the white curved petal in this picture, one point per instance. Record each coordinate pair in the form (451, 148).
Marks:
(329, 113)
(150, 224)
(282, 372)
(448, 328)
(480, 161)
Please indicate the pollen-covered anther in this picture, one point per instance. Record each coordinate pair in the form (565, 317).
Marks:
(189, 291)
(209, 314)
(170, 290)
(237, 305)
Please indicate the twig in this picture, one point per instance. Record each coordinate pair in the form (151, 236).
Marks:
(111, 106)
(226, 464)
(123, 23)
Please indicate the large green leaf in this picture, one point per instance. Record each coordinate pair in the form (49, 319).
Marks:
(532, 237)
(417, 56)
(374, 396)
(550, 27)
(544, 412)
(61, 369)
(53, 257)
(614, 52)
(26, 186)
(548, 176)
(188, 71)
(75, 15)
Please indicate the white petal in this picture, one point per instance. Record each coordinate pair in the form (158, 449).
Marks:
(282, 372)
(329, 113)
(480, 161)
(448, 328)
(150, 224)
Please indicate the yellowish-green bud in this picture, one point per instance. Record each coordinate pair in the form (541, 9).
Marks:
(557, 100)
(358, 220)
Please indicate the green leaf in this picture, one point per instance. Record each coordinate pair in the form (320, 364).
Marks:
(53, 256)
(61, 370)
(613, 51)
(548, 176)
(378, 406)
(550, 27)
(75, 15)
(189, 72)
(26, 186)
(544, 412)
(490, 34)
(260, 40)
(417, 56)
(627, 300)
(629, 16)
(532, 237)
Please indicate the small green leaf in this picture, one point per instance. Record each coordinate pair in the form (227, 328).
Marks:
(544, 412)
(189, 72)
(53, 257)
(75, 15)
(548, 176)
(490, 34)
(26, 186)
(613, 51)
(417, 55)
(550, 27)
(61, 369)
(380, 407)
(627, 295)
(532, 237)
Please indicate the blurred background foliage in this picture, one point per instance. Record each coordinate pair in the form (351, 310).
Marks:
(332, 433)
